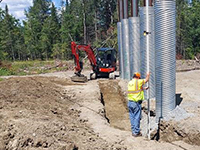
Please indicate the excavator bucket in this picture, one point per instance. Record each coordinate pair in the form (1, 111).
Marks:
(81, 78)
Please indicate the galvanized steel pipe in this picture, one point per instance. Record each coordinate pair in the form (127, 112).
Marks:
(120, 50)
(125, 6)
(134, 44)
(134, 8)
(143, 49)
(165, 51)
(120, 10)
(150, 2)
(125, 49)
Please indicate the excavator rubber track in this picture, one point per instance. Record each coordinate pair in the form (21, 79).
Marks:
(79, 78)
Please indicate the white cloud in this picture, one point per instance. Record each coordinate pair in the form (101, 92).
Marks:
(17, 7)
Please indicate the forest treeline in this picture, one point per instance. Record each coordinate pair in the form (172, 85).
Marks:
(47, 31)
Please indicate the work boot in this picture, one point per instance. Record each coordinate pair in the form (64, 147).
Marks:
(137, 135)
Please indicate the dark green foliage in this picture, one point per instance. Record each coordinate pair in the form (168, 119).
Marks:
(11, 37)
(37, 15)
(50, 34)
(188, 29)
(48, 31)
(45, 34)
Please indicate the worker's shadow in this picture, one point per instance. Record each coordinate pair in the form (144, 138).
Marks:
(179, 99)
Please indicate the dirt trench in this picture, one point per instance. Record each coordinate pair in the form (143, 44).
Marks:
(115, 104)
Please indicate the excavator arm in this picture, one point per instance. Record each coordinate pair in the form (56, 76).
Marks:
(78, 68)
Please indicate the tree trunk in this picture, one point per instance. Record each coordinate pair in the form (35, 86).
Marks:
(46, 54)
(95, 27)
(13, 54)
(18, 54)
(84, 23)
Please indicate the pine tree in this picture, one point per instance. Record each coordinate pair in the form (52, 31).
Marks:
(2, 54)
(108, 9)
(71, 26)
(36, 15)
(50, 33)
(7, 40)
(180, 23)
(54, 26)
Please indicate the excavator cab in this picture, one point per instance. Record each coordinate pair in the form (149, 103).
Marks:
(106, 61)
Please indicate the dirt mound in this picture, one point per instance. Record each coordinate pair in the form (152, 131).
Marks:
(170, 131)
(36, 113)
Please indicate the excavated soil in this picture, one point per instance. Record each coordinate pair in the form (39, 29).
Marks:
(51, 112)
(115, 104)
(35, 113)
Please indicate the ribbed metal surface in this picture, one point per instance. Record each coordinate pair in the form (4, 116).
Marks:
(120, 54)
(134, 8)
(134, 44)
(125, 6)
(143, 49)
(165, 37)
(125, 49)
(120, 10)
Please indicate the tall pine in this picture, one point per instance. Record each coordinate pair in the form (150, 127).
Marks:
(36, 16)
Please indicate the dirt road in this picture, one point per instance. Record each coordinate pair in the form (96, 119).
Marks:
(51, 112)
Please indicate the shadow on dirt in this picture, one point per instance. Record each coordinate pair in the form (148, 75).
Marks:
(179, 99)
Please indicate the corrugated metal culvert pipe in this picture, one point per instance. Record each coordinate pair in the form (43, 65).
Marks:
(119, 38)
(143, 48)
(165, 44)
(125, 47)
(120, 50)
(134, 38)
(134, 44)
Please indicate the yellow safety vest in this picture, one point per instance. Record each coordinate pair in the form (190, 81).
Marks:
(135, 90)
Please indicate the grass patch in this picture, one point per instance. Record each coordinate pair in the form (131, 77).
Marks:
(1, 79)
(33, 67)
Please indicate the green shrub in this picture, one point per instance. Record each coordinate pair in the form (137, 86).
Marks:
(30, 67)
(189, 53)
(4, 72)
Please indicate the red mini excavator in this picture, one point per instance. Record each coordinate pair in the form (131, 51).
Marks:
(103, 65)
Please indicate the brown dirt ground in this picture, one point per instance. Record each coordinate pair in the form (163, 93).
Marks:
(36, 113)
(51, 112)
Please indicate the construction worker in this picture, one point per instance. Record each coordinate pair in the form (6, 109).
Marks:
(135, 98)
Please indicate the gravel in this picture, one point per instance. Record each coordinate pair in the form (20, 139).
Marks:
(177, 114)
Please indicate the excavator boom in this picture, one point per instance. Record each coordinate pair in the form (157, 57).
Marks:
(78, 64)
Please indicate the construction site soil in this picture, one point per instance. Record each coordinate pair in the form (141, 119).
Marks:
(51, 112)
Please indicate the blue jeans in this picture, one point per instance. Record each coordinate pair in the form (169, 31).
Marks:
(135, 110)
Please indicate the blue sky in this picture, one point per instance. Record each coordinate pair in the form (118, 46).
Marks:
(17, 7)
